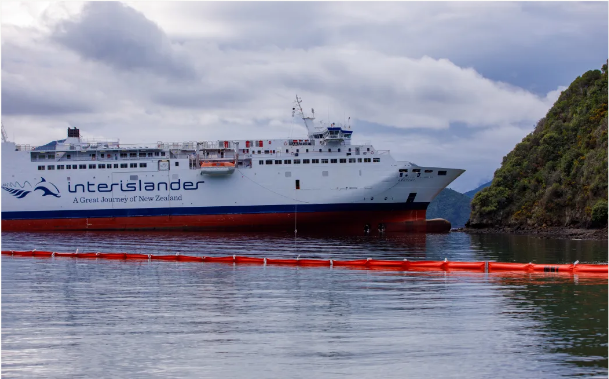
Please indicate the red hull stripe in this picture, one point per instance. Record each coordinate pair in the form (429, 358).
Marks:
(335, 221)
(200, 211)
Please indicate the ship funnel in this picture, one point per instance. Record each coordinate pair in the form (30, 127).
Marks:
(73, 132)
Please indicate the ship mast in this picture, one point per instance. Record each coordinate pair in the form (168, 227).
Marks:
(4, 136)
(308, 121)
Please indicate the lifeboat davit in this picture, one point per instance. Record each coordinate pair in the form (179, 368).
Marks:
(217, 168)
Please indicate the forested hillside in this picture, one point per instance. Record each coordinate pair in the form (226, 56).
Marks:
(557, 175)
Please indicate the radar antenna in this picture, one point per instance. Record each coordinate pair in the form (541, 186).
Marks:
(4, 136)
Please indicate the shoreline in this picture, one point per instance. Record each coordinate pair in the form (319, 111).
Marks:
(547, 232)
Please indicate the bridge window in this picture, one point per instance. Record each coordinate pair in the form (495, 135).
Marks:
(359, 160)
(68, 156)
(333, 160)
(51, 167)
(441, 172)
(132, 155)
(115, 165)
(123, 155)
(123, 165)
(376, 160)
(278, 161)
(314, 160)
(99, 166)
(82, 166)
(304, 161)
(261, 162)
(416, 170)
(143, 164)
(296, 161)
(339, 149)
(40, 168)
(428, 171)
(324, 161)
(343, 160)
(134, 165)
(287, 161)
(269, 161)
(73, 167)
(351, 160)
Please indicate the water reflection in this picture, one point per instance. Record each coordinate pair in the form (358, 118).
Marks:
(101, 318)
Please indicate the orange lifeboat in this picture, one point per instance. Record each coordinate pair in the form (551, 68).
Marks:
(217, 168)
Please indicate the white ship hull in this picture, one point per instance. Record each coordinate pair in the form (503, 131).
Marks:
(276, 184)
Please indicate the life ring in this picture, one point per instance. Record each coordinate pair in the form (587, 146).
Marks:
(285, 143)
(158, 146)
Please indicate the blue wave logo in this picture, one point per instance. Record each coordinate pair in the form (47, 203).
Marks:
(47, 188)
(19, 194)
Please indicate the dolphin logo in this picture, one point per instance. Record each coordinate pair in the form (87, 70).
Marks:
(44, 186)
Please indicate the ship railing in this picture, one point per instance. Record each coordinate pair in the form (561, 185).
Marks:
(99, 140)
(218, 145)
(25, 147)
(177, 145)
(382, 152)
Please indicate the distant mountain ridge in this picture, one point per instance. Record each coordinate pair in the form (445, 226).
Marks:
(450, 205)
(473, 192)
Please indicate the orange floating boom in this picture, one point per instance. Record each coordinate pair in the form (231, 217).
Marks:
(405, 265)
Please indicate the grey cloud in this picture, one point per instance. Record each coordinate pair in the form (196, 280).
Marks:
(20, 102)
(123, 38)
(199, 98)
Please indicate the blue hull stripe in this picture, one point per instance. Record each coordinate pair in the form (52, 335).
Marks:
(201, 211)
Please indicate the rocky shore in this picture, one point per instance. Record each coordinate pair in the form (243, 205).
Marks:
(543, 232)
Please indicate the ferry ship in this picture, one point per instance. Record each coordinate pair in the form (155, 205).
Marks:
(321, 182)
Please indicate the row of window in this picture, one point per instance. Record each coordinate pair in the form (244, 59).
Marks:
(297, 150)
(91, 166)
(307, 161)
(107, 156)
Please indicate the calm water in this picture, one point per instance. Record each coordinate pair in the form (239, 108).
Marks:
(96, 318)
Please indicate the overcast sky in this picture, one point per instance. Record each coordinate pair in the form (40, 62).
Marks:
(440, 84)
